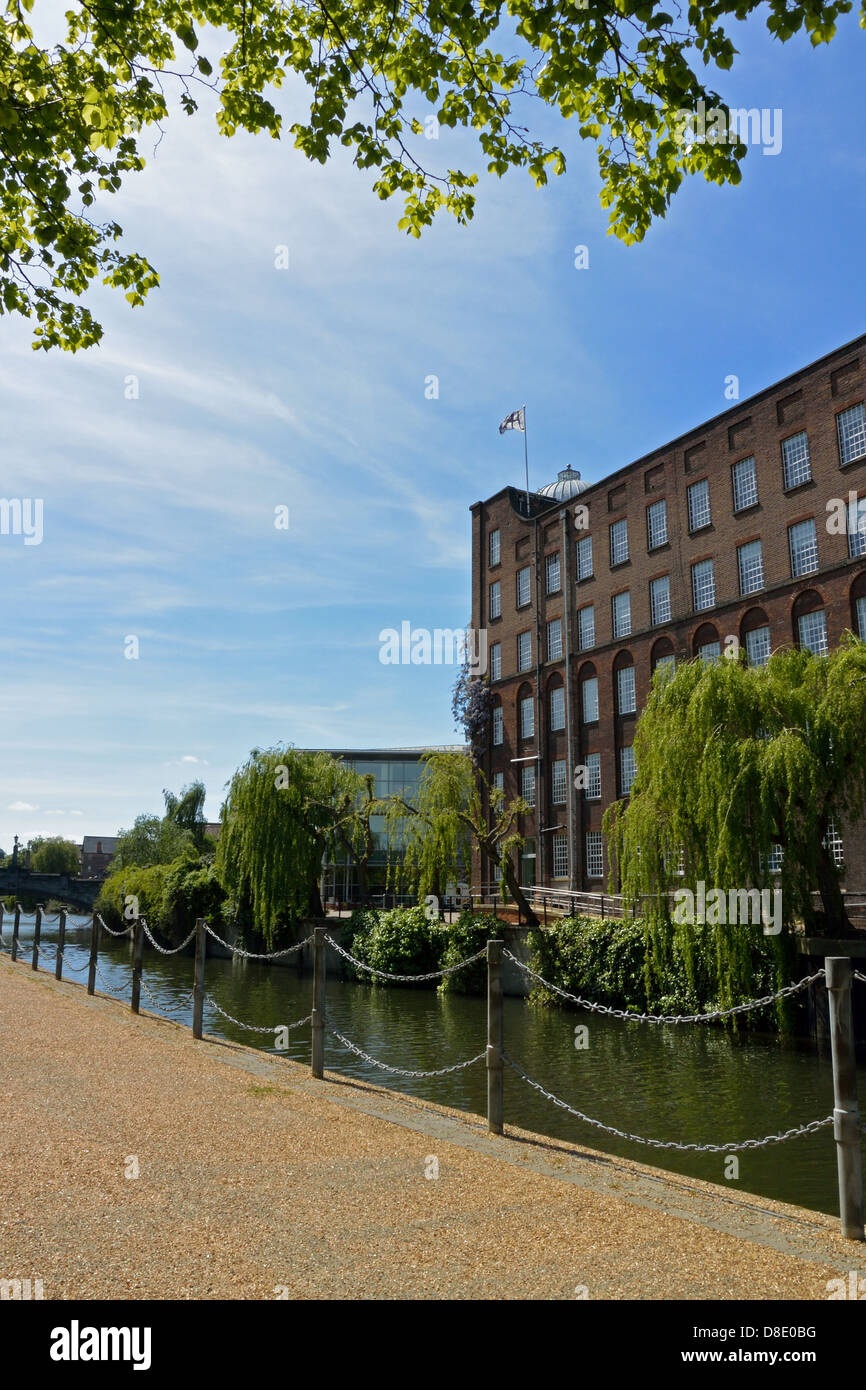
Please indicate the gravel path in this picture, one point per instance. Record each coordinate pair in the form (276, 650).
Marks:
(257, 1182)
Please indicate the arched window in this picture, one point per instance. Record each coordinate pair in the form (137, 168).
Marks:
(556, 704)
(525, 712)
(858, 606)
(755, 636)
(624, 683)
(705, 643)
(809, 619)
(662, 655)
(587, 684)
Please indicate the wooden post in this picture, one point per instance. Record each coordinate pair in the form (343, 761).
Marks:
(61, 942)
(94, 952)
(37, 932)
(602, 907)
(137, 956)
(15, 927)
(846, 1115)
(495, 1064)
(198, 978)
(318, 1020)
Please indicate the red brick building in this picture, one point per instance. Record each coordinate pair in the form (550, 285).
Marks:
(726, 534)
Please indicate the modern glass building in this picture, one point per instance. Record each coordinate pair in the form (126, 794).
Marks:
(397, 772)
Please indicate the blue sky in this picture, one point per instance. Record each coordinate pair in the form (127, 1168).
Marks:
(305, 388)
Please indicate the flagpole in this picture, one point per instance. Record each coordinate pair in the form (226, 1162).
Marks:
(526, 459)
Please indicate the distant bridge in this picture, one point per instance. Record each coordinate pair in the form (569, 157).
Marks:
(77, 892)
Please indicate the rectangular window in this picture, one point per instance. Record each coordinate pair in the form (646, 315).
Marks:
(813, 632)
(833, 842)
(527, 784)
(618, 542)
(524, 651)
(494, 548)
(622, 614)
(803, 545)
(559, 783)
(527, 717)
(499, 782)
(495, 600)
(554, 582)
(703, 585)
(851, 429)
(592, 785)
(758, 646)
(589, 699)
(554, 639)
(625, 699)
(861, 619)
(796, 463)
(710, 651)
(745, 479)
(626, 770)
(586, 627)
(584, 558)
(657, 525)
(699, 505)
(496, 661)
(523, 587)
(667, 665)
(557, 708)
(750, 561)
(857, 527)
(594, 854)
(560, 856)
(497, 724)
(774, 860)
(660, 599)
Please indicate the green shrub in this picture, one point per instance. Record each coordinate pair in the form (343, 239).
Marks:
(470, 933)
(145, 885)
(191, 890)
(401, 941)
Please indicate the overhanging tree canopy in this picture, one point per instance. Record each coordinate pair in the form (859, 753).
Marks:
(73, 109)
(732, 761)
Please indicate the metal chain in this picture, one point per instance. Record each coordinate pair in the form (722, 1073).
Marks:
(254, 1027)
(111, 932)
(257, 955)
(858, 975)
(163, 950)
(106, 986)
(161, 1004)
(387, 975)
(78, 969)
(666, 1018)
(669, 1144)
(399, 1071)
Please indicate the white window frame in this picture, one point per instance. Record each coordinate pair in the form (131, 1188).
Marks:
(621, 614)
(494, 599)
(557, 708)
(494, 551)
(554, 639)
(700, 513)
(657, 534)
(744, 476)
(758, 645)
(524, 586)
(524, 650)
(618, 542)
(796, 460)
(750, 567)
(594, 854)
(626, 698)
(584, 558)
(527, 716)
(588, 681)
(660, 599)
(553, 573)
(810, 620)
(592, 790)
(803, 553)
(851, 434)
(586, 619)
(703, 593)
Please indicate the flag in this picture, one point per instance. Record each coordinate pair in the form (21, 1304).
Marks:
(515, 421)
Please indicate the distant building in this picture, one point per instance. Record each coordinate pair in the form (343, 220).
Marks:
(397, 771)
(212, 829)
(97, 852)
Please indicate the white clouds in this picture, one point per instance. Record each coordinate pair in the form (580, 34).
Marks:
(21, 806)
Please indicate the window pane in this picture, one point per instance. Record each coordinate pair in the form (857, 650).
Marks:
(592, 787)
(586, 627)
(584, 557)
(851, 428)
(657, 524)
(625, 698)
(553, 579)
(796, 461)
(524, 651)
(703, 585)
(813, 632)
(559, 786)
(622, 615)
(803, 544)
(660, 599)
(554, 639)
(699, 505)
(619, 542)
(496, 661)
(523, 590)
(594, 854)
(758, 646)
(527, 717)
(745, 484)
(589, 691)
(750, 559)
(560, 856)
(527, 784)
(557, 708)
(494, 547)
(857, 527)
(626, 770)
(710, 651)
(861, 619)
(495, 600)
(497, 723)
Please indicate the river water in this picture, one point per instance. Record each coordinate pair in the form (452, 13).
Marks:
(687, 1083)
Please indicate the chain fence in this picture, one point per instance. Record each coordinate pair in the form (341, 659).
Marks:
(257, 955)
(399, 1071)
(415, 979)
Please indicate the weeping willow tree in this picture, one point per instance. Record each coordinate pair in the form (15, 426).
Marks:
(187, 810)
(432, 839)
(285, 809)
(734, 764)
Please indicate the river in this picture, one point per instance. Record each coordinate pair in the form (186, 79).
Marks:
(687, 1083)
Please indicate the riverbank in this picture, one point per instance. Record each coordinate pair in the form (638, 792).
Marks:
(255, 1178)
